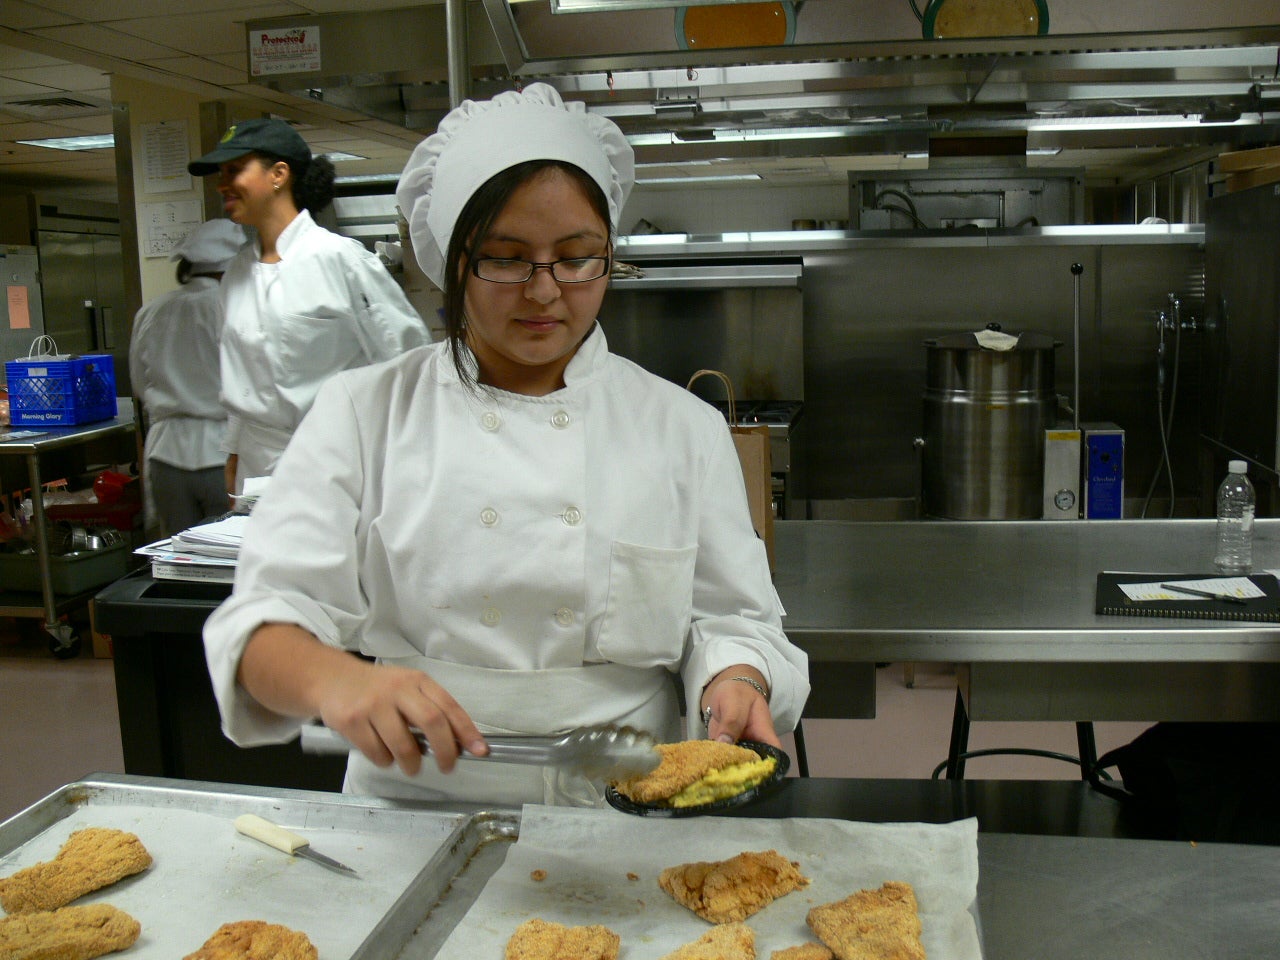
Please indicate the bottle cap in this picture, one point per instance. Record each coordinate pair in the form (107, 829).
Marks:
(1237, 466)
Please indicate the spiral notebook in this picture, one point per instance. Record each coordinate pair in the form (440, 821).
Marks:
(1155, 595)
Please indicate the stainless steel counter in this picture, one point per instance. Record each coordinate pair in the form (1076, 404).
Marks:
(1010, 598)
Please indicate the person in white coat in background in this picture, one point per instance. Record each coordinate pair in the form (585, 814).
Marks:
(302, 303)
(527, 532)
(173, 365)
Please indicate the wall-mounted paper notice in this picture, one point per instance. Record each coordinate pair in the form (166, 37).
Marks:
(165, 154)
(19, 308)
(165, 225)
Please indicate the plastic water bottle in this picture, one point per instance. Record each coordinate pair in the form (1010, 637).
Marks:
(1235, 521)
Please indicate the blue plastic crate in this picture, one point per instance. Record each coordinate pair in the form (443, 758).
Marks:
(62, 393)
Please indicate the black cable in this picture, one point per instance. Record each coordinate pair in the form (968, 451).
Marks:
(916, 10)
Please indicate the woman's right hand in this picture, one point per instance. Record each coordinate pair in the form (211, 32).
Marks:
(376, 707)
(379, 707)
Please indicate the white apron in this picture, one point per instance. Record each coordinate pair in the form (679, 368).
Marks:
(258, 450)
(537, 702)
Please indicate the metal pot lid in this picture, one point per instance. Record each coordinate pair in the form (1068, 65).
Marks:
(967, 341)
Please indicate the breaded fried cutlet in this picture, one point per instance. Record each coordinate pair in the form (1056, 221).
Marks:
(805, 951)
(68, 933)
(682, 764)
(879, 924)
(91, 859)
(733, 889)
(729, 941)
(539, 939)
(255, 940)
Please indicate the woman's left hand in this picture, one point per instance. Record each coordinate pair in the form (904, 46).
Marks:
(738, 710)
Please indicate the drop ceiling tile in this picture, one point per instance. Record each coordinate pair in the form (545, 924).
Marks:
(62, 76)
(198, 68)
(9, 88)
(95, 40)
(15, 58)
(27, 16)
(98, 11)
(203, 32)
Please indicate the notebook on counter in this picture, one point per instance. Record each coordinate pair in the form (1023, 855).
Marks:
(1239, 597)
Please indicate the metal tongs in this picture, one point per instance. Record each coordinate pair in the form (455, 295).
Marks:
(604, 752)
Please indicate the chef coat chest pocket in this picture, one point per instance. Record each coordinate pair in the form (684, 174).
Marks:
(313, 343)
(649, 604)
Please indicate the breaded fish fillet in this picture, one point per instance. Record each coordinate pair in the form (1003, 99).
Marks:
(805, 951)
(879, 924)
(733, 889)
(539, 939)
(682, 764)
(91, 859)
(69, 933)
(255, 940)
(730, 941)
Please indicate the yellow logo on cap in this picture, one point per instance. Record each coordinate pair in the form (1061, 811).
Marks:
(231, 132)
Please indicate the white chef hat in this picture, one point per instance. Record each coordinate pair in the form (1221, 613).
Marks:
(479, 139)
(210, 246)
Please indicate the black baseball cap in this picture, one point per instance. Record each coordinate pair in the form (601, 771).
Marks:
(273, 137)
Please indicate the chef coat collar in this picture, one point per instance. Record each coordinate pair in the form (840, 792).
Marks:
(289, 236)
(590, 359)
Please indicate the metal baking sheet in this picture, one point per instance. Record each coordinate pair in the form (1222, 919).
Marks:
(205, 874)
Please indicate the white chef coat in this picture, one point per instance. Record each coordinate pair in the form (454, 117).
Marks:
(173, 366)
(328, 305)
(552, 561)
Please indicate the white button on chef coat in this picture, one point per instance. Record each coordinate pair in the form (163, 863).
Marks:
(490, 421)
(489, 517)
(560, 419)
(565, 617)
(491, 617)
(572, 516)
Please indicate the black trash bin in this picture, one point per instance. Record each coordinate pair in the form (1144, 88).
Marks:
(169, 722)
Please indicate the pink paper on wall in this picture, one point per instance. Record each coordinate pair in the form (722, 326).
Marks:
(19, 309)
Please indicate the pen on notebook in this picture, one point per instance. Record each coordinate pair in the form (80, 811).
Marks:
(1203, 593)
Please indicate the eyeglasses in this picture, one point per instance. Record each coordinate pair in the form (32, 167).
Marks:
(572, 270)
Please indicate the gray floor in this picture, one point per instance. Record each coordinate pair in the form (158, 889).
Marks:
(59, 722)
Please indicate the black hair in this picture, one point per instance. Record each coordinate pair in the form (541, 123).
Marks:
(183, 273)
(311, 185)
(473, 224)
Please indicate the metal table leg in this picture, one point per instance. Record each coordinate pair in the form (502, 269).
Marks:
(63, 635)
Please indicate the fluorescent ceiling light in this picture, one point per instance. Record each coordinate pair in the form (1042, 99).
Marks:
(742, 136)
(369, 178)
(337, 156)
(1151, 122)
(709, 178)
(102, 141)
(605, 6)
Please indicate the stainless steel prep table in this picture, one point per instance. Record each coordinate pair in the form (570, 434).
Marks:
(32, 449)
(1012, 603)
(1052, 897)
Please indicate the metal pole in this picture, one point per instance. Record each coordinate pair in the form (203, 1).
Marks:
(455, 24)
(1076, 270)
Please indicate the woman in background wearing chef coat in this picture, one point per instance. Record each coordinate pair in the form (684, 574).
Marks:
(302, 303)
(173, 363)
(527, 532)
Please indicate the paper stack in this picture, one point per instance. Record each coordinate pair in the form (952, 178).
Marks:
(207, 551)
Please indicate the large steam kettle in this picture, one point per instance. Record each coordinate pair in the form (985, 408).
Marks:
(985, 413)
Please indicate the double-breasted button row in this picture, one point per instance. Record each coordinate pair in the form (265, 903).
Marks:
(491, 420)
(492, 616)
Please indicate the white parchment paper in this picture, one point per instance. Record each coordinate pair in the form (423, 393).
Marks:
(205, 874)
(587, 855)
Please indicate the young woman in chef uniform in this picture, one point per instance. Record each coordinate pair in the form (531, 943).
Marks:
(301, 303)
(527, 532)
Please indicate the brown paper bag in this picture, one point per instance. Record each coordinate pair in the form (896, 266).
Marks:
(752, 444)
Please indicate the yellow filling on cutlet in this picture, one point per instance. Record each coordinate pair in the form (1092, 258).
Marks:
(725, 782)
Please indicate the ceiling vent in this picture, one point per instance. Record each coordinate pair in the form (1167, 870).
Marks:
(55, 107)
